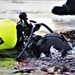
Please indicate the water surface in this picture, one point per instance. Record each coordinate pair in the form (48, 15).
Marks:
(39, 10)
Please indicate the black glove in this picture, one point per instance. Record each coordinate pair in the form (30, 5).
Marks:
(23, 16)
(37, 27)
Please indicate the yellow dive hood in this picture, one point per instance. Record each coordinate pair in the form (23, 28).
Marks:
(8, 33)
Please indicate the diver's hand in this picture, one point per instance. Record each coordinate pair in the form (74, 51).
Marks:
(37, 26)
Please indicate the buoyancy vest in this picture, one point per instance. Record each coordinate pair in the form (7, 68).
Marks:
(8, 33)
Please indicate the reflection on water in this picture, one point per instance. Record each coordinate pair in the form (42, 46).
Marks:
(39, 10)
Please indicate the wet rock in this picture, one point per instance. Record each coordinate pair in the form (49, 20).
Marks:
(50, 66)
(51, 69)
(68, 73)
(44, 69)
(64, 69)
